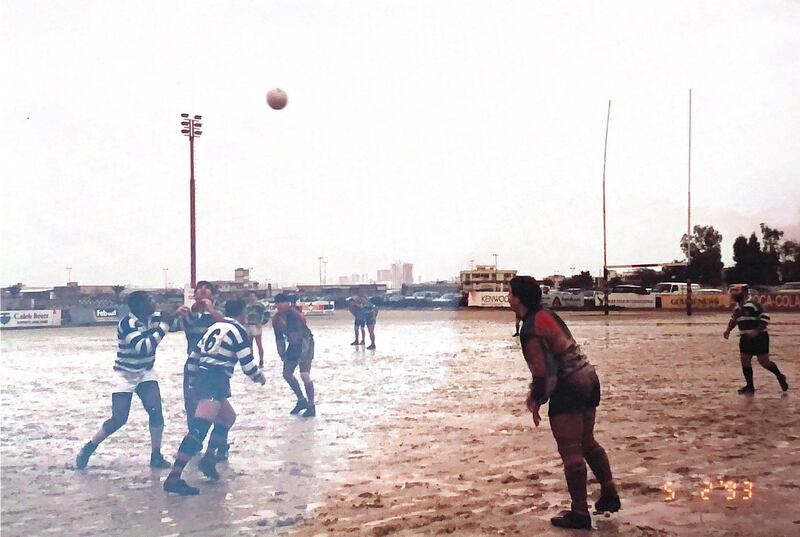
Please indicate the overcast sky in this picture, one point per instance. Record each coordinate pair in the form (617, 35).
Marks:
(434, 132)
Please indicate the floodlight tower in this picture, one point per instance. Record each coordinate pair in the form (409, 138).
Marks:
(190, 126)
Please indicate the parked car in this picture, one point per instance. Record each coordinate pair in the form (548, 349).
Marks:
(447, 299)
(790, 287)
(674, 287)
(425, 295)
(708, 291)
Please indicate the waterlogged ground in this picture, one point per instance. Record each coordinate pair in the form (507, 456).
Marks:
(55, 394)
(691, 457)
(427, 435)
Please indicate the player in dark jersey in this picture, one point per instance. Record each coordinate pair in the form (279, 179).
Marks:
(359, 322)
(563, 375)
(223, 345)
(295, 344)
(257, 316)
(751, 319)
(368, 313)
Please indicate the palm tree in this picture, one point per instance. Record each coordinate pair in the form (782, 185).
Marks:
(117, 291)
(15, 290)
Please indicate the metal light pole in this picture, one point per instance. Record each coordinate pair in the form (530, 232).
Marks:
(689, 217)
(319, 260)
(605, 252)
(191, 127)
(324, 272)
(69, 274)
(165, 276)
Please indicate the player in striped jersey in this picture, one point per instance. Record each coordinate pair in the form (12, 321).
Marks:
(194, 323)
(751, 319)
(138, 335)
(224, 343)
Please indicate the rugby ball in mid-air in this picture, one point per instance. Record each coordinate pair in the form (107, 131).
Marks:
(277, 98)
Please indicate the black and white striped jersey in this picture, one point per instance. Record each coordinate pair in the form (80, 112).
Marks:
(750, 315)
(193, 325)
(137, 341)
(224, 343)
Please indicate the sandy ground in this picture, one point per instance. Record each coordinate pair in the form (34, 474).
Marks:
(466, 459)
(427, 435)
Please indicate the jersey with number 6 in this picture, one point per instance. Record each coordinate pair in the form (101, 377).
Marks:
(225, 343)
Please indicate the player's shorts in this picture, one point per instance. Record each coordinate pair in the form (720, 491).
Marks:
(126, 382)
(211, 384)
(371, 318)
(577, 393)
(360, 322)
(755, 346)
(253, 329)
(302, 354)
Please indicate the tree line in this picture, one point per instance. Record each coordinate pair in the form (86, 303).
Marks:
(769, 261)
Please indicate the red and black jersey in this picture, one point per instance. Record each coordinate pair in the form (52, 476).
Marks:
(555, 341)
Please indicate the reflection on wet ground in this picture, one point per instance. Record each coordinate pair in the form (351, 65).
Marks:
(55, 394)
(669, 389)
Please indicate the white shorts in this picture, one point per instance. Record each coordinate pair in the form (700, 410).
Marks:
(254, 329)
(126, 382)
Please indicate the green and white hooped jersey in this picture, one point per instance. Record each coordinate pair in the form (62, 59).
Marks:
(750, 315)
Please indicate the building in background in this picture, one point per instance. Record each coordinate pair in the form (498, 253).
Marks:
(486, 278)
(401, 274)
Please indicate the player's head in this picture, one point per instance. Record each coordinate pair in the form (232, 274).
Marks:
(252, 298)
(524, 291)
(235, 308)
(140, 304)
(283, 302)
(362, 293)
(739, 292)
(204, 289)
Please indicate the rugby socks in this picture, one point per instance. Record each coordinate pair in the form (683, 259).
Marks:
(309, 392)
(748, 375)
(192, 443)
(773, 368)
(155, 439)
(218, 440)
(601, 468)
(576, 484)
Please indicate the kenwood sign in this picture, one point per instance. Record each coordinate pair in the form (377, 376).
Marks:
(488, 299)
(30, 318)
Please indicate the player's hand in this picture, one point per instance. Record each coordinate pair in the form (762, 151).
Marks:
(183, 310)
(261, 364)
(533, 407)
(726, 334)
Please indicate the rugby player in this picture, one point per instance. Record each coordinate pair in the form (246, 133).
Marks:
(224, 343)
(751, 319)
(138, 336)
(295, 344)
(257, 315)
(563, 376)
